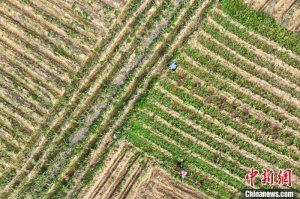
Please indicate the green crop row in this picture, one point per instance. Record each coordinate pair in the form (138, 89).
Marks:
(201, 136)
(213, 112)
(213, 79)
(216, 67)
(230, 57)
(241, 49)
(194, 147)
(243, 114)
(246, 36)
(142, 138)
(194, 178)
(261, 23)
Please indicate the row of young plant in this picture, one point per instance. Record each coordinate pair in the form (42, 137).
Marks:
(66, 135)
(222, 85)
(261, 23)
(84, 70)
(5, 156)
(182, 141)
(213, 112)
(136, 81)
(244, 34)
(29, 71)
(231, 58)
(21, 96)
(69, 19)
(15, 76)
(151, 144)
(45, 85)
(14, 119)
(212, 65)
(31, 81)
(249, 54)
(34, 63)
(52, 28)
(19, 37)
(242, 113)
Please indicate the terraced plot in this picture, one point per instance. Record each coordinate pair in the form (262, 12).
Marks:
(89, 109)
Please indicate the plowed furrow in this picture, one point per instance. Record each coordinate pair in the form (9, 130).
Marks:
(27, 10)
(122, 176)
(26, 114)
(50, 88)
(29, 86)
(43, 7)
(26, 53)
(38, 31)
(23, 95)
(60, 61)
(113, 176)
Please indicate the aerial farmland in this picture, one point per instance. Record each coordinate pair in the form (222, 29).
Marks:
(146, 99)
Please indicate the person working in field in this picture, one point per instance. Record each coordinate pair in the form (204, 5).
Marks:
(173, 66)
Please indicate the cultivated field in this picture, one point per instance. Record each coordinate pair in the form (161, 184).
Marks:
(89, 108)
(285, 12)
